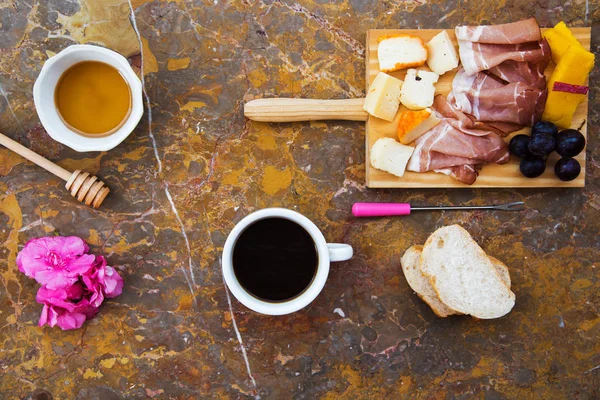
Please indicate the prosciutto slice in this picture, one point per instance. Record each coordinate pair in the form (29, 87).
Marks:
(531, 74)
(516, 32)
(463, 173)
(455, 146)
(477, 57)
(485, 47)
(487, 98)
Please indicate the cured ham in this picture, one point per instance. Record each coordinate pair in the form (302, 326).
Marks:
(462, 121)
(477, 57)
(487, 98)
(455, 146)
(525, 72)
(485, 47)
(502, 82)
(515, 32)
(463, 173)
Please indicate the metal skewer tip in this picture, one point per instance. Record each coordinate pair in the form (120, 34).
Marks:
(515, 206)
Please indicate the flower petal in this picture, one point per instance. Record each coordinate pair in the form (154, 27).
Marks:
(48, 317)
(72, 246)
(67, 321)
(32, 258)
(43, 316)
(113, 283)
(81, 265)
(54, 280)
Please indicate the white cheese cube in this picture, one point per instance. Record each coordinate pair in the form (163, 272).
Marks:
(418, 89)
(390, 156)
(383, 97)
(396, 52)
(441, 54)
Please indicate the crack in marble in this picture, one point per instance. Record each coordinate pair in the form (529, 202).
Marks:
(592, 369)
(61, 36)
(239, 338)
(12, 111)
(185, 237)
(191, 283)
(202, 183)
(174, 208)
(39, 222)
(146, 97)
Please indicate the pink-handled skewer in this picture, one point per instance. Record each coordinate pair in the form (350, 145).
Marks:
(393, 209)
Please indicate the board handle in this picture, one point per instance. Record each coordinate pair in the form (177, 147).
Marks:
(291, 110)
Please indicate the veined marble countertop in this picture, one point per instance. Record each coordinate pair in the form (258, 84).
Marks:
(195, 166)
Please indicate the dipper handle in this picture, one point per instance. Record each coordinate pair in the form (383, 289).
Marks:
(34, 157)
(84, 187)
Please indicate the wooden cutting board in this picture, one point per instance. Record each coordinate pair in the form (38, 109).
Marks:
(491, 175)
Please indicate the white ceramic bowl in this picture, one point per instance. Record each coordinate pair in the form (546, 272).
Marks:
(43, 97)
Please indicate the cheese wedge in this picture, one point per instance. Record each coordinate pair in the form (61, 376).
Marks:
(390, 156)
(418, 89)
(413, 124)
(396, 52)
(383, 97)
(441, 54)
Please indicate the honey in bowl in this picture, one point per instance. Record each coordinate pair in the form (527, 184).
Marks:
(93, 98)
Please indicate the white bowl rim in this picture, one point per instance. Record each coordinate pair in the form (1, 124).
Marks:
(66, 136)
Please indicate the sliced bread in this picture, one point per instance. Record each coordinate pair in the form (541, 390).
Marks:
(463, 276)
(421, 285)
(502, 271)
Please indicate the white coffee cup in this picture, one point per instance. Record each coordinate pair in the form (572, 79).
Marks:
(45, 85)
(327, 252)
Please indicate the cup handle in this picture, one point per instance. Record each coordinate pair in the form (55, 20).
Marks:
(339, 251)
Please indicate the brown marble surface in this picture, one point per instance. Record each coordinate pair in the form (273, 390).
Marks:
(181, 182)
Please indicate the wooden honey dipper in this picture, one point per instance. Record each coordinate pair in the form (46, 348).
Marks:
(85, 187)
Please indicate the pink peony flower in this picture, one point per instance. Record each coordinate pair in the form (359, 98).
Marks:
(69, 307)
(55, 262)
(74, 283)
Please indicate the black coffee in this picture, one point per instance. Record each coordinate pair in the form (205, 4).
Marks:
(275, 259)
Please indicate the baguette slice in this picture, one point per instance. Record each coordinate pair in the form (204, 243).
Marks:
(421, 285)
(463, 276)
